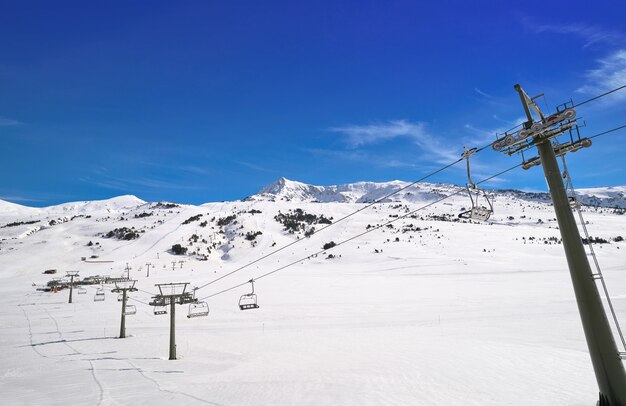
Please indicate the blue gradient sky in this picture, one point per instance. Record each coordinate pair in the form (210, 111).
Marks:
(200, 101)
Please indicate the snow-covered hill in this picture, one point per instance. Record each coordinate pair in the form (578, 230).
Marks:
(412, 306)
(364, 192)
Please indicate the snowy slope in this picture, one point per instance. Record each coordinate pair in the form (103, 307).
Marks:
(426, 310)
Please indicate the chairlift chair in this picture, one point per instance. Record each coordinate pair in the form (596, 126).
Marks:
(160, 310)
(99, 297)
(81, 291)
(248, 301)
(129, 310)
(198, 309)
(120, 297)
(477, 211)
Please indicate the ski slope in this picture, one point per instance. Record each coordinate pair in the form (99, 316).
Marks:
(451, 313)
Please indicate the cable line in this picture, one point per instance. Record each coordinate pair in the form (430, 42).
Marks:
(137, 300)
(608, 131)
(599, 96)
(361, 234)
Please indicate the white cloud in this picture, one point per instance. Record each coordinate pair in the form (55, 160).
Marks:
(590, 34)
(610, 74)
(8, 122)
(361, 135)
(255, 167)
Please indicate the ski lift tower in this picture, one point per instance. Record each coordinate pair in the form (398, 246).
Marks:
(172, 294)
(72, 275)
(542, 133)
(123, 287)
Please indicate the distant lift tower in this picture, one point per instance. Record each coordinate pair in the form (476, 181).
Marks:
(124, 287)
(172, 294)
(72, 275)
(542, 133)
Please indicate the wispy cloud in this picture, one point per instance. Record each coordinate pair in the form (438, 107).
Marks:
(479, 136)
(361, 135)
(8, 122)
(480, 92)
(255, 167)
(138, 184)
(20, 199)
(610, 74)
(590, 34)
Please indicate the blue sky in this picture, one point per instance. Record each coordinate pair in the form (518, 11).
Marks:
(200, 101)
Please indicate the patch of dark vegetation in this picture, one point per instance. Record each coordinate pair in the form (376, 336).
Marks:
(254, 211)
(329, 245)
(178, 249)
(595, 240)
(251, 236)
(297, 220)
(123, 233)
(224, 221)
(143, 215)
(164, 205)
(192, 219)
(20, 223)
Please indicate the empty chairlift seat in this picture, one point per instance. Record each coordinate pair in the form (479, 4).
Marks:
(199, 309)
(248, 301)
(99, 297)
(160, 310)
(129, 310)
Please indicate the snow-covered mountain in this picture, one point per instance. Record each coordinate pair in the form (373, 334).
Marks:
(114, 204)
(364, 192)
(361, 192)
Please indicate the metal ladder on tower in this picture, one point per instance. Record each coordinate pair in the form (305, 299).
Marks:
(597, 275)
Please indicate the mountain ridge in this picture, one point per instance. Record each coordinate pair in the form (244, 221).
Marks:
(288, 190)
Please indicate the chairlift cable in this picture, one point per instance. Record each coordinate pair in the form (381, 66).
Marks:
(599, 96)
(608, 131)
(137, 300)
(360, 234)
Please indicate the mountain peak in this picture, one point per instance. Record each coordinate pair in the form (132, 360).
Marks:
(359, 192)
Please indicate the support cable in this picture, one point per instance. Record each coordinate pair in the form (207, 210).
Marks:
(599, 96)
(570, 186)
(137, 300)
(608, 131)
(360, 234)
